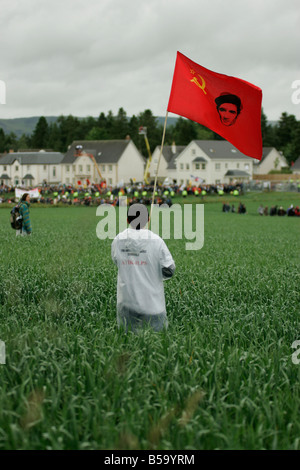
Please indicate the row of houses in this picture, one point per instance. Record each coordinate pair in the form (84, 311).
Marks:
(120, 162)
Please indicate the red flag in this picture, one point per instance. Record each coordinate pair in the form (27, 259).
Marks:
(229, 106)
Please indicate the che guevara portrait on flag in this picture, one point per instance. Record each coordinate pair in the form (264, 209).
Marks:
(229, 106)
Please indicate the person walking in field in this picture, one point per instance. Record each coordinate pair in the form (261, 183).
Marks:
(24, 213)
(143, 262)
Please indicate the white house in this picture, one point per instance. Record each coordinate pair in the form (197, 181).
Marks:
(206, 161)
(30, 168)
(118, 161)
(167, 167)
(272, 159)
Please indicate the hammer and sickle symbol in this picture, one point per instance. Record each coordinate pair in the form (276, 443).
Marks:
(203, 84)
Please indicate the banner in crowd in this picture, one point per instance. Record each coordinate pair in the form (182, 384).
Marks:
(34, 193)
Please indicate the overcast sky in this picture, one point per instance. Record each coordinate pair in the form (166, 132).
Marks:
(83, 57)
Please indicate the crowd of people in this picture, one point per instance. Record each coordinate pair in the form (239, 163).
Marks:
(240, 210)
(275, 210)
(96, 194)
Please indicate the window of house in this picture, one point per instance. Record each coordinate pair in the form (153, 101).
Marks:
(68, 168)
(197, 166)
(28, 167)
(193, 151)
(17, 168)
(218, 166)
(54, 171)
(203, 166)
(109, 180)
(80, 168)
(226, 165)
(187, 182)
(74, 168)
(237, 165)
(103, 167)
(181, 181)
(45, 167)
(187, 166)
(67, 180)
(109, 167)
(4, 168)
(181, 166)
(218, 181)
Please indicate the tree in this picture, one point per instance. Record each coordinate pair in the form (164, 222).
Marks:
(2, 140)
(184, 131)
(40, 135)
(267, 131)
(120, 125)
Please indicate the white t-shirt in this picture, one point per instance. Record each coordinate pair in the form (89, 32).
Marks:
(140, 256)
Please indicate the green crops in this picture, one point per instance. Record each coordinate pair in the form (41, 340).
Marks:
(221, 377)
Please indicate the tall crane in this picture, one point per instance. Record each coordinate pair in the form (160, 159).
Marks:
(143, 131)
(80, 153)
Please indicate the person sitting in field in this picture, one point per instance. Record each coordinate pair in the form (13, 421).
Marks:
(260, 210)
(281, 211)
(273, 210)
(290, 211)
(143, 262)
(266, 210)
(226, 207)
(242, 209)
(297, 211)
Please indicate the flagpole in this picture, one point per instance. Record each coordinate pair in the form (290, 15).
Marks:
(160, 154)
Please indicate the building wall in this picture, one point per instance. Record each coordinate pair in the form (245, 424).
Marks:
(273, 161)
(16, 171)
(130, 165)
(163, 171)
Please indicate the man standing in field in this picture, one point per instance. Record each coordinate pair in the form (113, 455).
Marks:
(144, 262)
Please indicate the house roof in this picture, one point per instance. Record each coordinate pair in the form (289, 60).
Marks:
(32, 158)
(170, 155)
(104, 151)
(237, 173)
(199, 159)
(28, 177)
(220, 149)
(296, 165)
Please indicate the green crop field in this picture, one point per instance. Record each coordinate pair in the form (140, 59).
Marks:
(221, 377)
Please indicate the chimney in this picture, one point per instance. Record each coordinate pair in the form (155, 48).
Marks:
(173, 148)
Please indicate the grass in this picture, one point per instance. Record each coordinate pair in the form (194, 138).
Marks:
(221, 377)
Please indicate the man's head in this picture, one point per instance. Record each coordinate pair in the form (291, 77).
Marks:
(137, 216)
(229, 107)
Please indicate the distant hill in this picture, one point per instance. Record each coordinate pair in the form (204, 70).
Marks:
(27, 125)
(22, 125)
